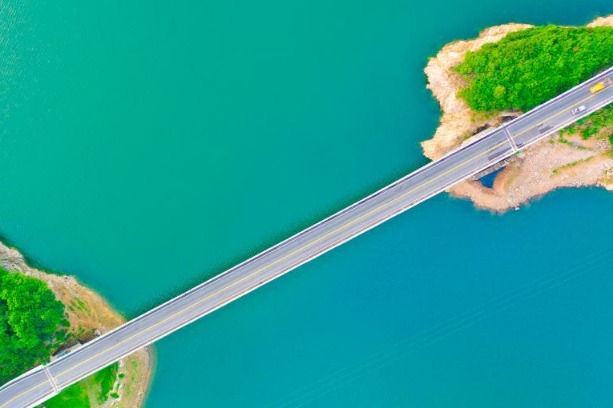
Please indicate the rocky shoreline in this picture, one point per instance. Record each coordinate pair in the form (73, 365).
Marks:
(90, 316)
(553, 163)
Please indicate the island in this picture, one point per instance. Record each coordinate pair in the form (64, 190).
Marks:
(45, 315)
(506, 71)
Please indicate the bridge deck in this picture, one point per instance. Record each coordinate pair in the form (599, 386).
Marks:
(38, 385)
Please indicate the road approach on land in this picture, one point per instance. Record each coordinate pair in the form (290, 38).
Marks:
(43, 382)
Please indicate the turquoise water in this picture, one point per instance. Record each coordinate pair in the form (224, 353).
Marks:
(146, 148)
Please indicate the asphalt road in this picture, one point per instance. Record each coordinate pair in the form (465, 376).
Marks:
(42, 383)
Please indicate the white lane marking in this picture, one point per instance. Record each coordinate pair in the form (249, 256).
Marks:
(56, 389)
(510, 139)
(297, 235)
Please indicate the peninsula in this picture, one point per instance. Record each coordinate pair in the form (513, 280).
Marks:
(47, 315)
(476, 84)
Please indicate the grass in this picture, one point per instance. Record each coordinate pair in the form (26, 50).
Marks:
(106, 378)
(90, 392)
(133, 370)
(567, 166)
(563, 140)
(80, 305)
(74, 396)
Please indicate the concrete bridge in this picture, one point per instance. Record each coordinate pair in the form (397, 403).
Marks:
(43, 382)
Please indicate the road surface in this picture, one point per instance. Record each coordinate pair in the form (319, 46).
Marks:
(42, 383)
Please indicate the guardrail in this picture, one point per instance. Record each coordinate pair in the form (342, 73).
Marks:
(336, 215)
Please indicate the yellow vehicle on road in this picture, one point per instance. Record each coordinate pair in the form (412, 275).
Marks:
(600, 85)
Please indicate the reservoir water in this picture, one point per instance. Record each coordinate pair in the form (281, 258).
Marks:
(147, 147)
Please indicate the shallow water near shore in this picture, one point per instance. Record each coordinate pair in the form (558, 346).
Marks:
(145, 149)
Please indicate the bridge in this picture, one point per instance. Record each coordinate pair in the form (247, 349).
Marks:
(43, 382)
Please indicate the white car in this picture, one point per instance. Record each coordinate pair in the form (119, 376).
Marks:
(578, 110)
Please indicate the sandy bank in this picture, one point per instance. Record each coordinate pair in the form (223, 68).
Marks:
(550, 164)
(90, 315)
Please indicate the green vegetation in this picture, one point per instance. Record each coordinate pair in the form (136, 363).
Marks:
(32, 326)
(567, 166)
(132, 371)
(78, 304)
(591, 125)
(74, 396)
(106, 378)
(529, 67)
(92, 391)
(32, 323)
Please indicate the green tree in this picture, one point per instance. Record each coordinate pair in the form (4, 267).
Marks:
(31, 321)
(499, 91)
(529, 67)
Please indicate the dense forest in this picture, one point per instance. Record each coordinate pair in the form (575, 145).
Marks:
(32, 323)
(529, 67)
